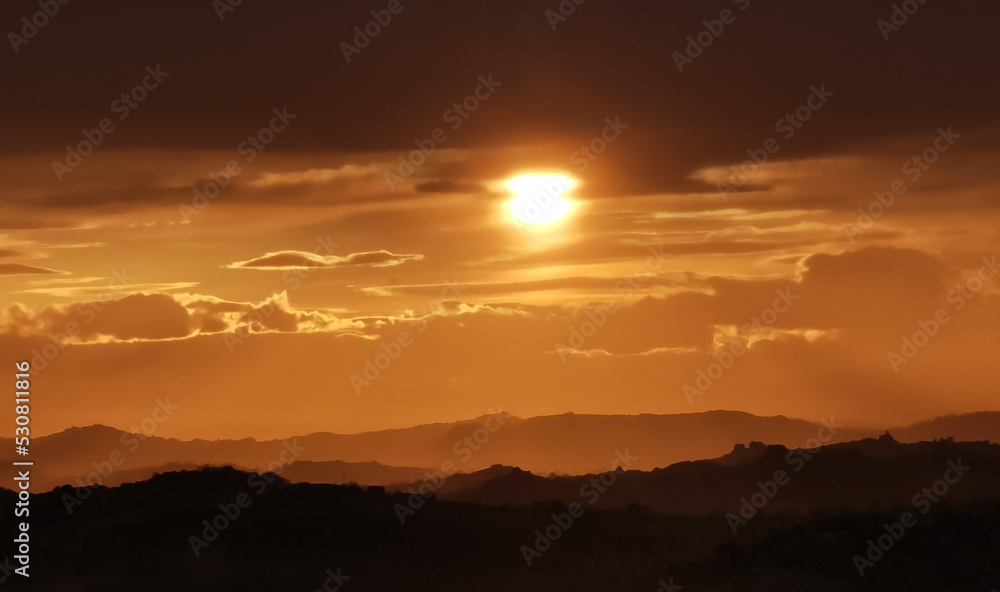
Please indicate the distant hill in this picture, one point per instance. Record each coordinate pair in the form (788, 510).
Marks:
(970, 427)
(563, 444)
(867, 474)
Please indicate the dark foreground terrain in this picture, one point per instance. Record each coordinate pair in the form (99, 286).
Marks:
(221, 529)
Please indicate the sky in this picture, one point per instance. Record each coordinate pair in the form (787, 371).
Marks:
(279, 223)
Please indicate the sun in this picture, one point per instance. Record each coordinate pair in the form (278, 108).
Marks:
(538, 200)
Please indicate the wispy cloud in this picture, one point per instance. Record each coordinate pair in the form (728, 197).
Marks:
(304, 260)
(21, 269)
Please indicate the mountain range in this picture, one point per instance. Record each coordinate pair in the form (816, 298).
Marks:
(567, 444)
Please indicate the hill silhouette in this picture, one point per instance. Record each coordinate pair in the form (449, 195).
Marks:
(867, 474)
(562, 444)
(296, 536)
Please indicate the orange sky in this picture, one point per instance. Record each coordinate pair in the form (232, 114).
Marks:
(253, 312)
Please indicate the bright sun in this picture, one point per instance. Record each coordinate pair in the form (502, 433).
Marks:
(538, 200)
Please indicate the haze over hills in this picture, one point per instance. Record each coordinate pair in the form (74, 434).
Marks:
(968, 427)
(563, 444)
(866, 474)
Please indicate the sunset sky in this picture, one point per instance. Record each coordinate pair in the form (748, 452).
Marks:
(256, 309)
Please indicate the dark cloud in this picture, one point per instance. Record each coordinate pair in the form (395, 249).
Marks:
(449, 187)
(606, 60)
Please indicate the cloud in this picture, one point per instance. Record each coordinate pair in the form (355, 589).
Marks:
(304, 260)
(21, 269)
(315, 175)
(825, 356)
(160, 316)
(447, 186)
(134, 317)
(283, 260)
(85, 288)
(207, 112)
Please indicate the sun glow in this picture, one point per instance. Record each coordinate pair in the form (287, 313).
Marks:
(538, 200)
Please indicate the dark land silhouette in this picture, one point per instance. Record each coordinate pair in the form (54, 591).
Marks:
(645, 529)
(865, 474)
(563, 444)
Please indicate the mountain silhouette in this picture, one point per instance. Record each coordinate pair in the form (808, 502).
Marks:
(184, 530)
(867, 474)
(563, 444)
